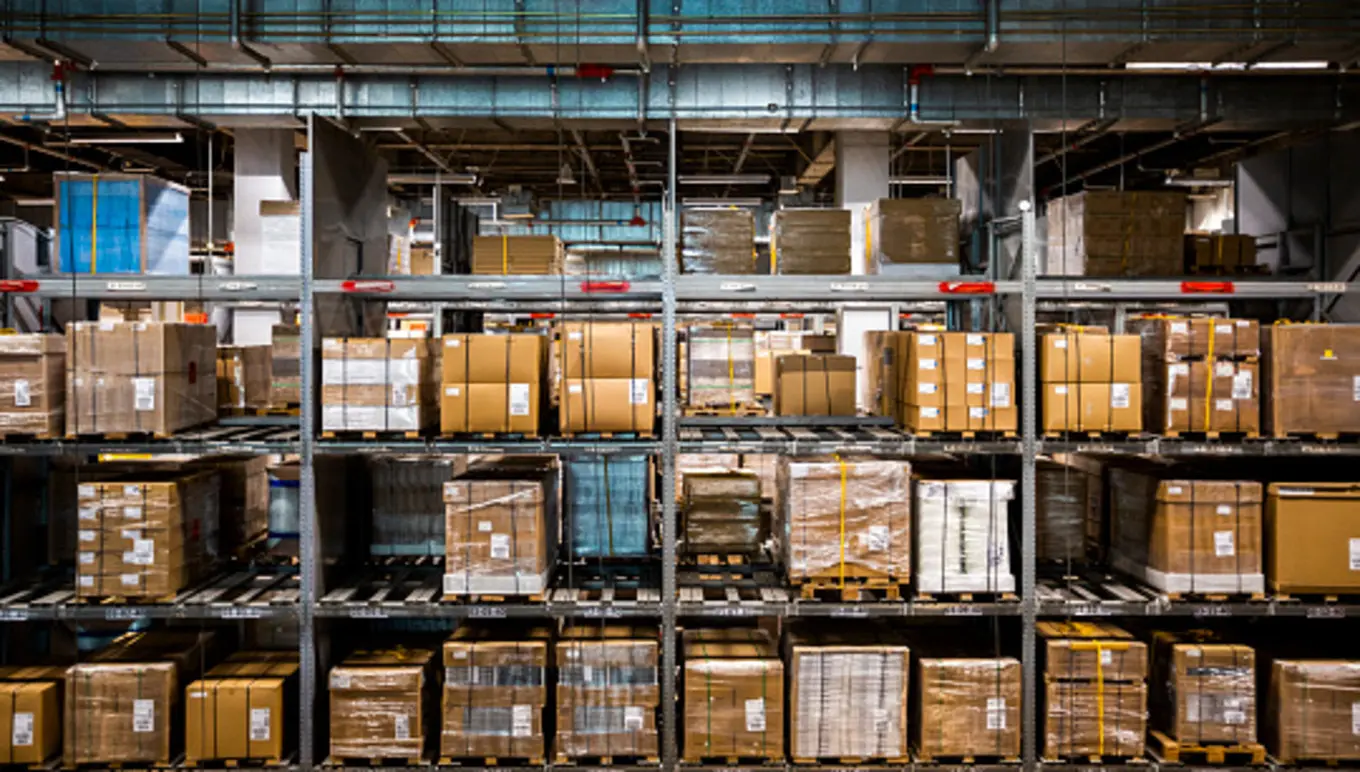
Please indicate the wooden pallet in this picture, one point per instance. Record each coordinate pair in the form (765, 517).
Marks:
(178, 761)
(1218, 597)
(490, 761)
(475, 599)
(1314, 597)
(292, 411)
(852, 761)
(124, 600)
(497, 436)
(967, 597)
(119, 436)
(738, 411)
(1169, 751)
(606, 761)
(376, 761)
(237, 763)
(1307, 761)
(734, 761)
(375, 435)
(980, 434)
(852, 590)
(1206, 436)
(1095, 759)
(1097, 436)
(926, 758)
(55, 434)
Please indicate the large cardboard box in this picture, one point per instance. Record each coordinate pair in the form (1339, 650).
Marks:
(608, 405)
(112, 223)
(32, 385)
(1114, 233)
(1092, 407)
(885, 372)
(962, 540)
(911, 230)
(30, 720)
(1085, 651)
(500, 529)
(959, 381)
(1085, 357)
(1313, 537)
(286, 366)
(1187, 536)
(1203, 396)
(607, 350)
(967, 707)
(495, 691)
(1085, 718)
(244, 379)
(492, 383)
(810, 241)
(733, 695)
(722, 513)
(1203, 691)
(720, 362)
(516, 255)
(1219, 253)
(845, 518)
(377, 384)
(720, 241)
(139, 377)
(814, 385)
(1311, 383)
(379, 704)
(237, 718)
(1172, 339)
(847, 697)
(608, 691)
(1312, 713)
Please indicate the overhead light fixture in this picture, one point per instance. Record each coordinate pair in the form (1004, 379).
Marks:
(565, 175)
(788, 185)
(34, 202)
(1304, 65)
(918, 180)
(721, 202)
(462, 178)
(1187, 66)
(724, 179)
(175, 138)
(517, 204)
(1198, 182)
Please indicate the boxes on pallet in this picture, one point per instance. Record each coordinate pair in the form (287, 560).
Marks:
(814, 385)
(958, 381)
(1095, 696)
(720, 362)
(1176, 339)
(733, 695)
(1091, 382)
(495, 692)
(1219, 253)
(377, 384)
(847, 696)
(1114, 233)
(608, 504)
(885, 372)
(120, 223)
(1313, 537)
(810, 241)
(30, 715)
(1200, 374)
(139, 377)
(1311, 379)
(1312, 710)
(607, 370)
(380, 705)
(696, 463)
(1187, 536)
(244, 379)
(720, 241)
(32, 385)
(500, 528)
(285, 368)
(1069, 503)
(516, 255)
(1204, 690)
(962, 536)
(772, 345)
(1085, 651)
(911, 232)
(722, 514)
(845, 519)
(242, 709)
(492, 383)
(408, 496)
(608, 691)
(967, 707)
(243, 508)
(145, 536)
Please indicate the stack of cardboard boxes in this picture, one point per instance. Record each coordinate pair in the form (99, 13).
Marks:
(935, 381)
(733, 695)
(1091, 382)
(720, 241)
(1204, 690)
(607, 377)
(772, 345)
(608, 691)
(1095, 691)
(285, 367)
(967, 706)
(1200, 374)
(495, 692)
(814, 385)
(1114, 233)
(516, 255)
(1069, 507)
(32, 385)
(810, 241)
(377, 385)
(380, 706)
(242, 709)
(720, 366)
(244, 379)
(907, 236)
(847, 696)
(1313, 710)
(1311, 379)
(492, 383)
(722, 514)
(1219, 253)
(500, 528)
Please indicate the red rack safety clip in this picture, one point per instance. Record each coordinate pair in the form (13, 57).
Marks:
(639, 315)
(742, 316)
(368, 285)
(968, 287)
(1207, 287)
(541, 315)
(605, 286)
(19, 285)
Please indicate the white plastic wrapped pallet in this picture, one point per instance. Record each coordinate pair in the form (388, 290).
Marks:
(962, 536)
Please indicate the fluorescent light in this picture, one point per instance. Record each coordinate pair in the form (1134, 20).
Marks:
(721, 202)
(1186, 66)
(1198, 182)
(430, 179)
(34, 202)
(1305, 65)
(724, 179)
(788, 185)
(918, 180)
(129, 139)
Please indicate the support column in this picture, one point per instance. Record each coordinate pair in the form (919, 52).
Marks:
(863, 159)
(265, 170)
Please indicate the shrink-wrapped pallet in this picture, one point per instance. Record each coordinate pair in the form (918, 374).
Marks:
(845, 518)
(962, 536)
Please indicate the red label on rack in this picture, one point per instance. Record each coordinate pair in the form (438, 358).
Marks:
(742, 316)
(1207, 287)
(639, 316)
(604, 286)
(19, 285)
(968, 287)
(538, 315)
(368, 285)
(790, 316)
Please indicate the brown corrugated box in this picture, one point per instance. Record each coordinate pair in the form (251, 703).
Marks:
(608, 405)
(722, 513)
(912, 230)
(1312, 713)
(492, 383)
(1171, 339)
(1311, 379)
(810, 241)
(500, 529)
(1085, 357)
(1092, 407)
(733, 695)
(238, 718)
(286, 366)
(1184, 397)
(1204, 690)
(1070, 652)
(1219, 253)
(516, 255)
(32, 385)
(967, 707)
(243, 510)
(1083, 719)
(814, 384)
(607, 349)
(1201, 536)
(847, 696)
(378, 384)
(1116, 233)
(885, 372)
(720, 363)
(379, 704)
(495, 690)
(244, 376)
(30, 719)
(1069, 499)
(1313, 537)
(959, 381)
(846, 517)
(720, 241)
(608, 691)
(137, 377)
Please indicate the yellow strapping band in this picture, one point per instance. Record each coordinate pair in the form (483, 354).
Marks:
(774, 249)
(94, 223)
(868, 240)
(1100, 701)
(1209, 377)
(505, 254)
(841, 462)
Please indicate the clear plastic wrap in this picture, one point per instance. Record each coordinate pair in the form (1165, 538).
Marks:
(1205, 692)
(120, 712)
(379, 704)
(500, 531)
(1069, 501)
(139, 377)
(408, 503)
(1309, 379)
(720, 362)
(810, 241)
(912, 230)
(243, 510)
(962, 535)
(846, 518)
(847, 700)
(722, 514)
(607, 691)
(1087, 651)
(720, 241)
(32, 384)
(495, 691)
(377, 384)
(1218, 396)
(244, 376)
(285, 368)
(968, 707)
(516, 255)
(733, 695)
(1187, 535)
(1313, 710)
(1114, 233)
(607, 500)
(696, 463)
(1173, 339)
(1091, 718)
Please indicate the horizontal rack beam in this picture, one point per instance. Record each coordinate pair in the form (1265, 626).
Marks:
(240, 593)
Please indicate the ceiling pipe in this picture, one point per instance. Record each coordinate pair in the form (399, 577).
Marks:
(1023, 70)
(583, 71)
(914, 75)
(1097, 130)
(58, 112)
(1137, 154)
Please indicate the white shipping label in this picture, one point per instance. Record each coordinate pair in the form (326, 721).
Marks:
(1241, 385)
(519, 399)
(996, 713)
(632, 719)
(130, 533)
(484, 526)
(1224, 509)
(1192, 708)
(1355, 718)
(143, 715)
(1001, 395)
(23, 397)
(452, 391)
(132, 513)
(1180, 328)
(930, 412)
(132, 490)
(975, 339)
(882, 720)
(755, 715)
(89, 513)
(1223, 544)
(1234, 715)
(927, 340)
(1106, 657)
(85, 491)
(340, 680)
(877, 539)
(85, 535)
(85, 558)
(929, 364)
(23, 730)
(1355, 389)
(453, 342)
(403, 727)
(977, 412)
(573, 388)
(1178, 403)
(1060, 343)
(1060, 390)
(500, 546)
(1119, 395)
(522, 721)
(85, 581)
(1223, 405)
(130, 580)
(974, 388)
(259, 724)
(143, 394)
(1355, 554)
(977, 364)
(574, 335)
(637, 391)
(926, 388)
(400, 396)
(1223, 369)
(1223, 329)
(143, 552)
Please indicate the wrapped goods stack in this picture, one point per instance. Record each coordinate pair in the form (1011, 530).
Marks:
(285, 368)
(967, 707)
(380, 704)
(1204, 691)
(495, 692)
(500, 529)
(1200, 375)
(1069, 502)
(720, 363)
(1092, 382)
(1312, 710)
(722, 514)
(377, 385)
(1311, 379)
(1095, 691)
(962, 536)
(907, 234)
(1114, 233)
(244, 379)
(608, 692)
(517, 255)
(607, 501)
(810, 241)
(733, 696)
(32, 385)
(607, 377)
(847, 697)
(719, 241)
(492, 384)
(120, 224)
(408, 496)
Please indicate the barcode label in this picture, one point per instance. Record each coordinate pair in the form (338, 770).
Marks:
(927, 340)
(144, 394)
(1223, 544)
(89, 513)
(259, 724)
(85, 535)
(1001, 395)
(1119, 395)
(637, 391)
(340, 680)
(403, 728)
(1224, 509)
(977, 364)
(1241, 385)
(926, 388)
(143, 715)
(928, 364)
(974, 339)
(1355, 554)
(23, 397)
(996, 713)
(1223, 405)
(500, 546)
(632, 718)
(1355, 389)
(519, 399)
(132, 513)
(143, 552)
(878, 538)
(1355, 718)
(755, 715)
(23, 730)
(974, 388)
(522, 721)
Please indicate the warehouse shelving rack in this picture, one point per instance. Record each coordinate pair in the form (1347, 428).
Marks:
(395, 595)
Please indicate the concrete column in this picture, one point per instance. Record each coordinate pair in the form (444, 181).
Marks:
(863, 159)
(266, 170)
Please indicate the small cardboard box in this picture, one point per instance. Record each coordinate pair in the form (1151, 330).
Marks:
(1092, 407)
(1085, 357)
(286, 366)
(30, 721)
(1313, 537)
(815, 385)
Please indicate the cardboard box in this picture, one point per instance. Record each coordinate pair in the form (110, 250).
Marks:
(492, 383)
(1083, 651)
(1219, 253)
(379, 704)
(237, 718)
(810, 241)
(814, 384)
(607, 350)
(845, 518)
(495, 691)
(32, 385)
(30, 721)
(608, 690)
(1090, 358)
(1313, 537)
(500, 529)
(377, 384)
(885, 372)
(967, 707)
(516, 255)
(139, 377)
(962, 536)
(423, 261)
(1172, 339)
(733, 695)
(1312, 710)
(1203, 396)
(959, 381)
(1084, 719)
(1070, 503)
(826, 719)
(608, 405)
(286, 366)
(1203, 691)
(243, 504)
(1092, 407)
(720, 363)
(722, 514)
(1114, 233)
(244, 379)
(911, 230)
(720, 241)
(1311, 382)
